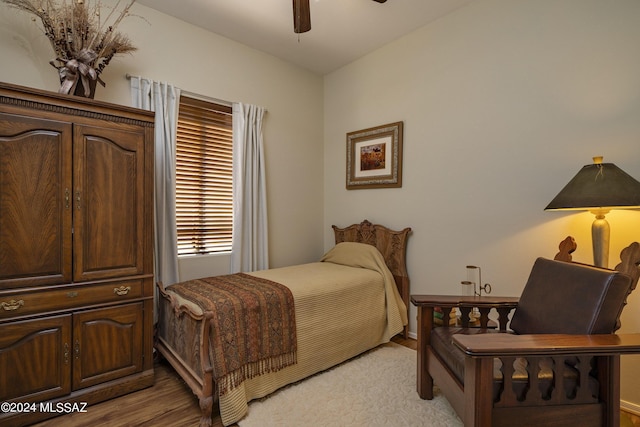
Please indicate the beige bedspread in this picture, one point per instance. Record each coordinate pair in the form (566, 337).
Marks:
(346, 304)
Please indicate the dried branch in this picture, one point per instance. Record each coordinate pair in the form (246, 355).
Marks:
(77, 32)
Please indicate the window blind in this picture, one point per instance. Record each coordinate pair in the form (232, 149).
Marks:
(204, 194)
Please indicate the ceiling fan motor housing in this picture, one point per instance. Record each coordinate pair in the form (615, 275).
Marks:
(302, 15)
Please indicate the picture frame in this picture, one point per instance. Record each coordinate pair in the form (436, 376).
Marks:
(374, 157)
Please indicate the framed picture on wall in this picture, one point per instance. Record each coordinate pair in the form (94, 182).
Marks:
(374, 157)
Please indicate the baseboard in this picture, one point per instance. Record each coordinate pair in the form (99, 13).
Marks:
(412, 335)
(632, 408)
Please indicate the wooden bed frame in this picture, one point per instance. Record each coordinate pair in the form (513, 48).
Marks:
(391, 244)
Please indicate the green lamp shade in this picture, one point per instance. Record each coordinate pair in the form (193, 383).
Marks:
(597, 186)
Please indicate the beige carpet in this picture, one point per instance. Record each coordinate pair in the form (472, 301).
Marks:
(377, 388)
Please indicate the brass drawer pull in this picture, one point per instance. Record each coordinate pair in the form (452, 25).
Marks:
(12, 305)
(122, 290)
(72, 294)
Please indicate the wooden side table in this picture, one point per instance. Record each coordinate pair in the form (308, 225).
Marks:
(426, 305)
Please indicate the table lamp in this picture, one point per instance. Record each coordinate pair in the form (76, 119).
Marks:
(598, 188)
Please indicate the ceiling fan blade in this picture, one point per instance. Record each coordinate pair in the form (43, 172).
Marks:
(380, 1)
(301, 16)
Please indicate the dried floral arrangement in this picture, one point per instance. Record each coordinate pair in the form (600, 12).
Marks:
(84, 43)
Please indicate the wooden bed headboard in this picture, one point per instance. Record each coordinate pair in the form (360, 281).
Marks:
(392, 245)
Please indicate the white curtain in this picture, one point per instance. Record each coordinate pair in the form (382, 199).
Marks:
(250, 240)
(164, 99)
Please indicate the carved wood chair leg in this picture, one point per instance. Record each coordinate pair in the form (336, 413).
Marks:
(478, 383)
(609, 379)
(425, 323)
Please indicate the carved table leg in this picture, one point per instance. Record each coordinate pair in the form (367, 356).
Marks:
(425, 323)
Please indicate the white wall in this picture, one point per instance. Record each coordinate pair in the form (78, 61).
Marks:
(201, 62)
(503, 102)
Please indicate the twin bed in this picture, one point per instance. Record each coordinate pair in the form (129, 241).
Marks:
(352, 300)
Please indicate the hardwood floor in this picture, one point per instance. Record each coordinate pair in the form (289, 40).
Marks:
(168, 403)
(409, 342)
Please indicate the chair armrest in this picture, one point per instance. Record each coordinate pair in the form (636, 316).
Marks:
(497, 345)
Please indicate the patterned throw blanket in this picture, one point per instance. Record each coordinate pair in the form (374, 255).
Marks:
(253, 328)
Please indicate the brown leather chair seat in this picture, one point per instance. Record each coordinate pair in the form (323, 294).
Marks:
(451, 354)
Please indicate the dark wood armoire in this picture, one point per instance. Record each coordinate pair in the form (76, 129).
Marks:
(76, 251)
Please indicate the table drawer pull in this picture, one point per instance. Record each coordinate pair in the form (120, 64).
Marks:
(12, 305)
(122, 290)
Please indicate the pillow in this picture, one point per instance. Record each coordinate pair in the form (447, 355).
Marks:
(353, 254)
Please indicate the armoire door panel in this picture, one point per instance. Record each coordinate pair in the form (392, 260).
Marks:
(35, 359)
(108, 208)
(107, 344)
(35, 210)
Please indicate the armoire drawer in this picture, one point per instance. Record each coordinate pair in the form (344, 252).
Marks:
(22, 304)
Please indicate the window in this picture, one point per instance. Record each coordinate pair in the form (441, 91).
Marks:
(204, 194)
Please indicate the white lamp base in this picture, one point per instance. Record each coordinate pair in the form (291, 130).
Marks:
(600, 238)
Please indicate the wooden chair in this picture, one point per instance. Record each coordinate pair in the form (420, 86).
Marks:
(557, 365)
